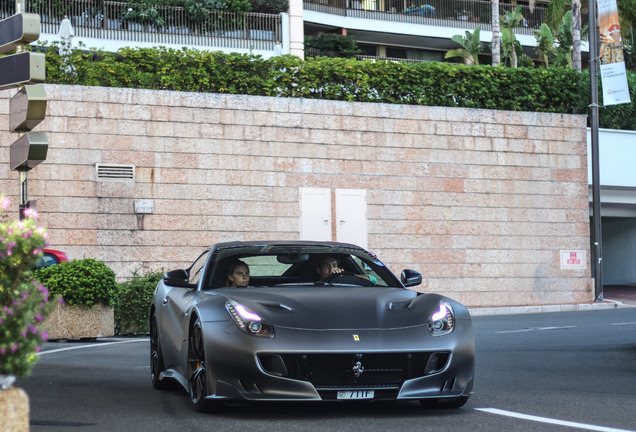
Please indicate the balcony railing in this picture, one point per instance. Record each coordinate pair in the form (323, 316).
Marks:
(467, 14)
(102, 19)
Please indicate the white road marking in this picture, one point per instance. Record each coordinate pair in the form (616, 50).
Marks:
(535, 329)
(76, 347)
(624, 323)
(551, 421)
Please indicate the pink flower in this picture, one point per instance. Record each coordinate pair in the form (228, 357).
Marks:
(14, 348)
(4, 202)
(31, 213)
(45, 335)
(10, 247)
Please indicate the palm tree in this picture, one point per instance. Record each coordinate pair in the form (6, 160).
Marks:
(545, 44)
(554, 13)
(496, 34)
(509, 23)
(471, 47)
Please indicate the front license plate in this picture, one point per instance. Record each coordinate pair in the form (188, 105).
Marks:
(356, 394)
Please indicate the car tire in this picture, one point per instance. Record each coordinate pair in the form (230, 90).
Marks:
(197, 372)
(156, 359)
(445, 403)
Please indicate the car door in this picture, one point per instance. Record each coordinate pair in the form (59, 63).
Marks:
(177, 306)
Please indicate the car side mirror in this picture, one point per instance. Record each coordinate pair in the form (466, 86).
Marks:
(411, 278)
(177, 278)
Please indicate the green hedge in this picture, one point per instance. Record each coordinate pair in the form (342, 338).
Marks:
(132, 310)
(433, 84)
(83, 282)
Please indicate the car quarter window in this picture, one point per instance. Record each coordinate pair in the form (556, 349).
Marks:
(368, 271)
(195, 269)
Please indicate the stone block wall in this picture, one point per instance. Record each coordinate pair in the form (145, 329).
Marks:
(484, 203)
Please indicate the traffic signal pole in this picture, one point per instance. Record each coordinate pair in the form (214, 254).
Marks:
(28, 107)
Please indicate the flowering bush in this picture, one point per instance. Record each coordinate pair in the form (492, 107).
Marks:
(24, 302)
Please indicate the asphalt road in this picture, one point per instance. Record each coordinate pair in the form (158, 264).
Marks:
(540, 372)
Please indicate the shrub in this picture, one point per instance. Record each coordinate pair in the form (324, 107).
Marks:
(24, 302)
(557, 90)
(81, 282)
(132, 310)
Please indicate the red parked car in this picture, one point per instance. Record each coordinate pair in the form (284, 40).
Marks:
(51, 257)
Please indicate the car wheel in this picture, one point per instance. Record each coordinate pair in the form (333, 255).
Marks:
(198, 381)
(445, 403)
(156, 359)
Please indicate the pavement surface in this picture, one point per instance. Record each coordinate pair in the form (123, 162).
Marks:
(625, 294)
(614, 296)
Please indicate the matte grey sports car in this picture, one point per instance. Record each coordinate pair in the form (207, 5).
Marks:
(306, 321)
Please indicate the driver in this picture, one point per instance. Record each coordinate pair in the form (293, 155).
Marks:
(329, 266)
(238, 274)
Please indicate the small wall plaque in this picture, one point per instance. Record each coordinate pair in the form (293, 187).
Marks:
(144, 206)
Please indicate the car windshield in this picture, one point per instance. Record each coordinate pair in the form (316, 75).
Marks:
(283, 265)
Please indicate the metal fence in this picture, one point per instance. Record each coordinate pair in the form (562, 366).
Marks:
(467, 14)
(102, 19)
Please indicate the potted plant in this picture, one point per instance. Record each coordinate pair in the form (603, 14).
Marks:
(24, 305)
(89, 291)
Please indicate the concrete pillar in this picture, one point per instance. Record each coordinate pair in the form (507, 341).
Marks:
(296, 29)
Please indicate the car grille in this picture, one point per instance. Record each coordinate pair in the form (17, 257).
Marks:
(354, 370)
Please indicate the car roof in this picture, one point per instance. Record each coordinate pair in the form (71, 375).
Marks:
(282, 246)
(254, 243)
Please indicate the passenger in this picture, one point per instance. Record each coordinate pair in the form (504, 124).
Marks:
(238, 274)
(329, 266)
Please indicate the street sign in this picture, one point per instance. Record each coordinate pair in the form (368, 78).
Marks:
(28, 151)
(27, 108)
(22, 68)
(20, 29)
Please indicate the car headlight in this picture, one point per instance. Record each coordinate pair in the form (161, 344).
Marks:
(248, 321)
(442, 321)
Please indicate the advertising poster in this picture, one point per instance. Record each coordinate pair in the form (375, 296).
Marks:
(613, 75)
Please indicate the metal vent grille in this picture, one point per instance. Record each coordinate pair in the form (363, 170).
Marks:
(115, 172)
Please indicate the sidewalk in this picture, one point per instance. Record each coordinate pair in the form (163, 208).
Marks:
(625, 294)
(614, 296)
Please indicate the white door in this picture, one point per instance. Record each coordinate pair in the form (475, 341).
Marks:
(315, 214)
(351, 216)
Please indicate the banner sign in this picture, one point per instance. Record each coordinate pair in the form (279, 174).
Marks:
(613, 75)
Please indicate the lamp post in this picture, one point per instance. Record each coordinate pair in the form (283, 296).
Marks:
(597, 234)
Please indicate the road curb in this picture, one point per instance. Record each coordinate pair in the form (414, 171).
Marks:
(516, 310)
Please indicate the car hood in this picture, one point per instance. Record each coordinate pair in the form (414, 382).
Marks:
(329, 308)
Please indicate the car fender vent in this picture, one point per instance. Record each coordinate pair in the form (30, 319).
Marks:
(115, 172)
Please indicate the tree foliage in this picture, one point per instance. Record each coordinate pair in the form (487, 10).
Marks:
(470, 49)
